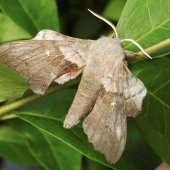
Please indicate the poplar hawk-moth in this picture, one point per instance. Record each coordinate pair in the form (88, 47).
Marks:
(108, 92)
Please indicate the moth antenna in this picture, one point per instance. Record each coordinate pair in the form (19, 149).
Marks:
(106, 21)
(138, 45)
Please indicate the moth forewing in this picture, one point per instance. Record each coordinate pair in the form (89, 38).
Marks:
(45, 58)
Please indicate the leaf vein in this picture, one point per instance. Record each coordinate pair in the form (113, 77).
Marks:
(158, 26)
(158, 99)
(161, 87)
(150, 18)
(28, 15)
(50, 148)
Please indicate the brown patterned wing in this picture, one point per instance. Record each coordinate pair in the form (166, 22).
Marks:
(134, 92)
(105, 126)
(121, 96)
(50, 56)
(128, 86)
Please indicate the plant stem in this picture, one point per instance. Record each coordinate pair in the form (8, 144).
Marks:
(156, 47)
(18, 103)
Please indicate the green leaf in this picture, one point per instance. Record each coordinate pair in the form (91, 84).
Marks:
(114, 8)
(12, 86)
(11, 31)
(138, 149)
(47, 115)
(92, 165)
(47, 150)
(52, 152)
(32, 16)
(146, 21)
(154, 122)
(12, 145)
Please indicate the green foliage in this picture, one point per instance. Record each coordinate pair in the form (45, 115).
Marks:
(12, 144)
(114, 9)
(49, 152)
(37, 128)
(155, 27)
(28, 15)
(154, 123)
(12, 85)
(146, 21)
(11, 31)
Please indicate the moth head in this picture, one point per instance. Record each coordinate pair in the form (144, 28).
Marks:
(116, 34)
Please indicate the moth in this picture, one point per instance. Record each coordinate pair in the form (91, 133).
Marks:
(108, 92)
